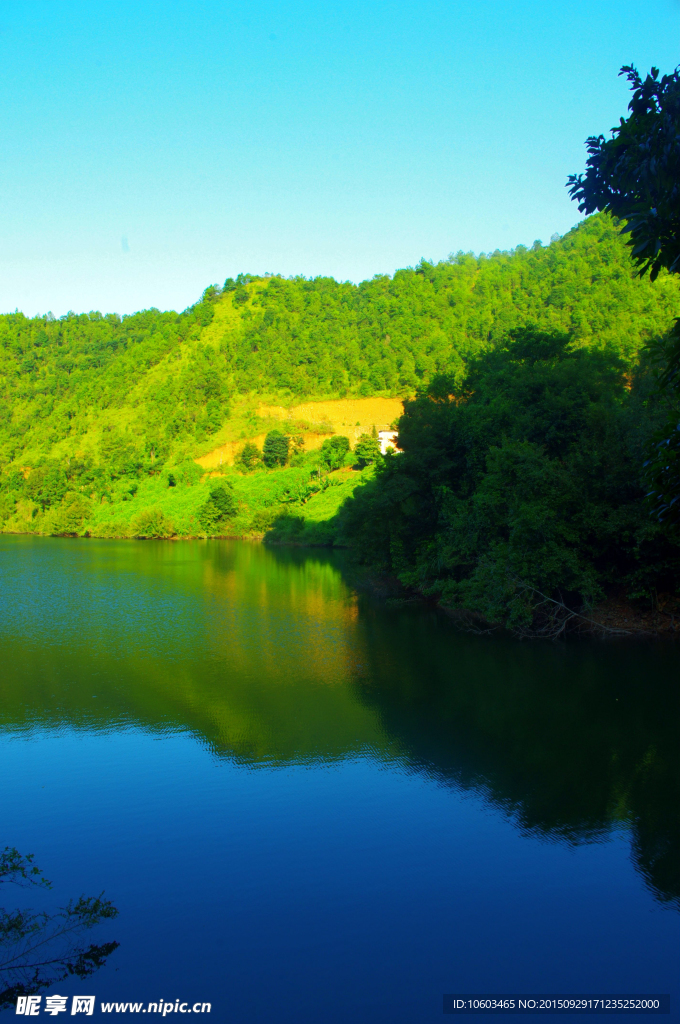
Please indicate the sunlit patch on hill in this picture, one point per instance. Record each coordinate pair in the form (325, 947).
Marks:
(314, 422)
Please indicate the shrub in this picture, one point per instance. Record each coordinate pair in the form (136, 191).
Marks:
(152, 522)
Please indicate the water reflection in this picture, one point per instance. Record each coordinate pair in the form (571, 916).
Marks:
(41, 948)
(269, 657)
(572, 740)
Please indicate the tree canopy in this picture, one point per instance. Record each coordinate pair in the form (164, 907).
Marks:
(635, 175)
(519, 495)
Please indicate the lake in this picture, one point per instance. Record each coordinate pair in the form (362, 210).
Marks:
(309, 804)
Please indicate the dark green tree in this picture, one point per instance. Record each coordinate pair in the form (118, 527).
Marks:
(519, 495)
(367, 450)
(220, 506)
(275, 449)
(635, 175)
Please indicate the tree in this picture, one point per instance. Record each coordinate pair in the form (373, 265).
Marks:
(220, 506)
(635, 176)
(333, 451)
(275, 449)
(518, 497)
(250, 456)
(367, 449)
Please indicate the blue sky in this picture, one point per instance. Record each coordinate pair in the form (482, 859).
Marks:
(148, 150)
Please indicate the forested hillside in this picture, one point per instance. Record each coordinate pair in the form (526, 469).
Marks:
(159, 379)
(102, 417)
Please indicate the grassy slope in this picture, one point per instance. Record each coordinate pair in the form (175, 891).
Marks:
(263, 496)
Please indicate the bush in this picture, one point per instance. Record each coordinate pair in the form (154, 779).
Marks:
(188, 472)
(152, 522)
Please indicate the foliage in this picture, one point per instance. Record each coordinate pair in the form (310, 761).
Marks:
(663, 476)
(250, 456)
(152, 522)
(333, 451)
(220, 506)
(38, 950)
(99, 414)
(367, 449)
(69, 517)
(635, 175)
(275, 449)
(523, 485)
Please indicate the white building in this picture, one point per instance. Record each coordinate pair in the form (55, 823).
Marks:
(388, 439)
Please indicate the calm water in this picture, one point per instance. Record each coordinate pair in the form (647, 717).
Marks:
(310, 806)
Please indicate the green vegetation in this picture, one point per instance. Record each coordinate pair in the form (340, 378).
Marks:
(519, 491)
(250, 456)
(634, 176)
(520, 481)
(275, 449)
(334, 451)
(220, 507)
(367, 449)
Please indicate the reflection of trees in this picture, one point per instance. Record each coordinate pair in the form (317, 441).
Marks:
(571, 740)
(251, 648)
(40, 949)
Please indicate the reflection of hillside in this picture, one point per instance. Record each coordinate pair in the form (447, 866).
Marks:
(268, 657)
(570, 740)
(246, 651)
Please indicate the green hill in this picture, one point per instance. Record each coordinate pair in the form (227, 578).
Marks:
(100, 414)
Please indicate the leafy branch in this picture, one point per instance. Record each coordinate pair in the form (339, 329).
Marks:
(39, 949)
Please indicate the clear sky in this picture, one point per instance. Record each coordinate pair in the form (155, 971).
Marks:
(150, 149)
